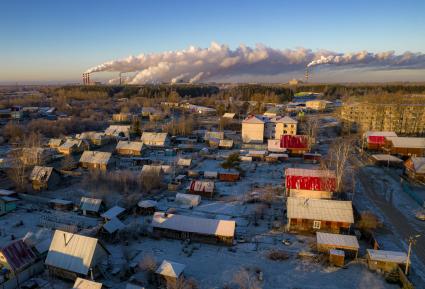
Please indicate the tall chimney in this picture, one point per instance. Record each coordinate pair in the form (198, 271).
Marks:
(88, 78)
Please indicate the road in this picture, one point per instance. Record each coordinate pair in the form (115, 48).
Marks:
(398, 220)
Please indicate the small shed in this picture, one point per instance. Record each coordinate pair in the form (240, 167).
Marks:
(71, 146)
(328, 241)
(118, 131)
(91, 206)
(415, 168)
(229, 115)
(115, 212)
(375, 140)
(188, 200)
(112, 226)
(54, 143)
(44, 178)
(273, 146)
(310, 183)
(276, 157)
(7, 204)
(386, 261)
(336, 257)
(95, 160)
(386, 160)
(147, 207)
(203, 188)
(313, 158)
(72, 255)
(16, 257)
(169, 273)
(129, 148)
(225, 144)
(210, 175)
(61, 205)
(184, 162)
(229, 176)
(257, 155)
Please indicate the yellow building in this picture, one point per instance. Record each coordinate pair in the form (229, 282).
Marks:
(318, 104)
(253, 128)
(284, 125)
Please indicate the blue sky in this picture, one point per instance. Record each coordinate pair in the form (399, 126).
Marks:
(54, 41)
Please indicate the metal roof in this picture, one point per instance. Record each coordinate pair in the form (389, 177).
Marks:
(18, 255)
(387, 256)
(387, 158)
(95, 157)
(41, 174)
(320, 209)
(148, 137)
(191, 224)
(418, 164)
(90, 204)
(407, 142)
(113, 225)
(379, 133)
(337, 240)
(170, 269)
(86, 284)
(310, 173)
(113, 212)
(72, 252)
(116, 130)
(202, 186)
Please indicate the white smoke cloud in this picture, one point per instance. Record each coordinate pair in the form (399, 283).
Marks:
(219, 61)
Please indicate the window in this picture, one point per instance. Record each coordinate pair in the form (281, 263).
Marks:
(316, 225)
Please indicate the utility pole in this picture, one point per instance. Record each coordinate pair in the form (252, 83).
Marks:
(412, 241)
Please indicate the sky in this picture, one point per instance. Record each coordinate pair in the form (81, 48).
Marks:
(51, 41)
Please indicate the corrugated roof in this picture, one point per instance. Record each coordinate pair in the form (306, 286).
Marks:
(407, 142)
(379, 133)
(310, 173)
(384, 157)
(191, 224)
(320, 209)
(113, 225)
(41, 174)
(387, 256)
(71, 252)
(130, 145)
(86, 284)
(18, 255)
(202, 186)
(113, 212)
(337, 240)
(95, 157)
(170, 269)
(419, 164)
(90, 204)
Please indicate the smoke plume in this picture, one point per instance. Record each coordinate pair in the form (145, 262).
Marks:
(219, 61)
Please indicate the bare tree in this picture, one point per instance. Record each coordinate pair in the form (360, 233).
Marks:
(311, 128)
(338, 157)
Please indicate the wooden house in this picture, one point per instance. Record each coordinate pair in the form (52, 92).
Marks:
(386, 160)
(146, 207)
(72, 255)
(15, 258)
(276, 157)
(155, 139)
(7, 204)
(336, 257)
(111, 228)
(36, 155)
(91, 206)
(86, 284)
(405, 146)
(226, 144)
(202, 188)
(44, 178)
(95, 160)
(386, 261)
(187, 200)
(129, 148)
(309, 183)
(116, 212)
(169, 273)
(312, 158)
(229, 176)
(61, 205)
(185, 163)
(311, 215)
(257, 155)
(71, 146)
(95, 138)
(197, 229)
(415, 168)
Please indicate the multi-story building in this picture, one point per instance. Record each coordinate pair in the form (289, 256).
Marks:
(405, 119)
(257, 128)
